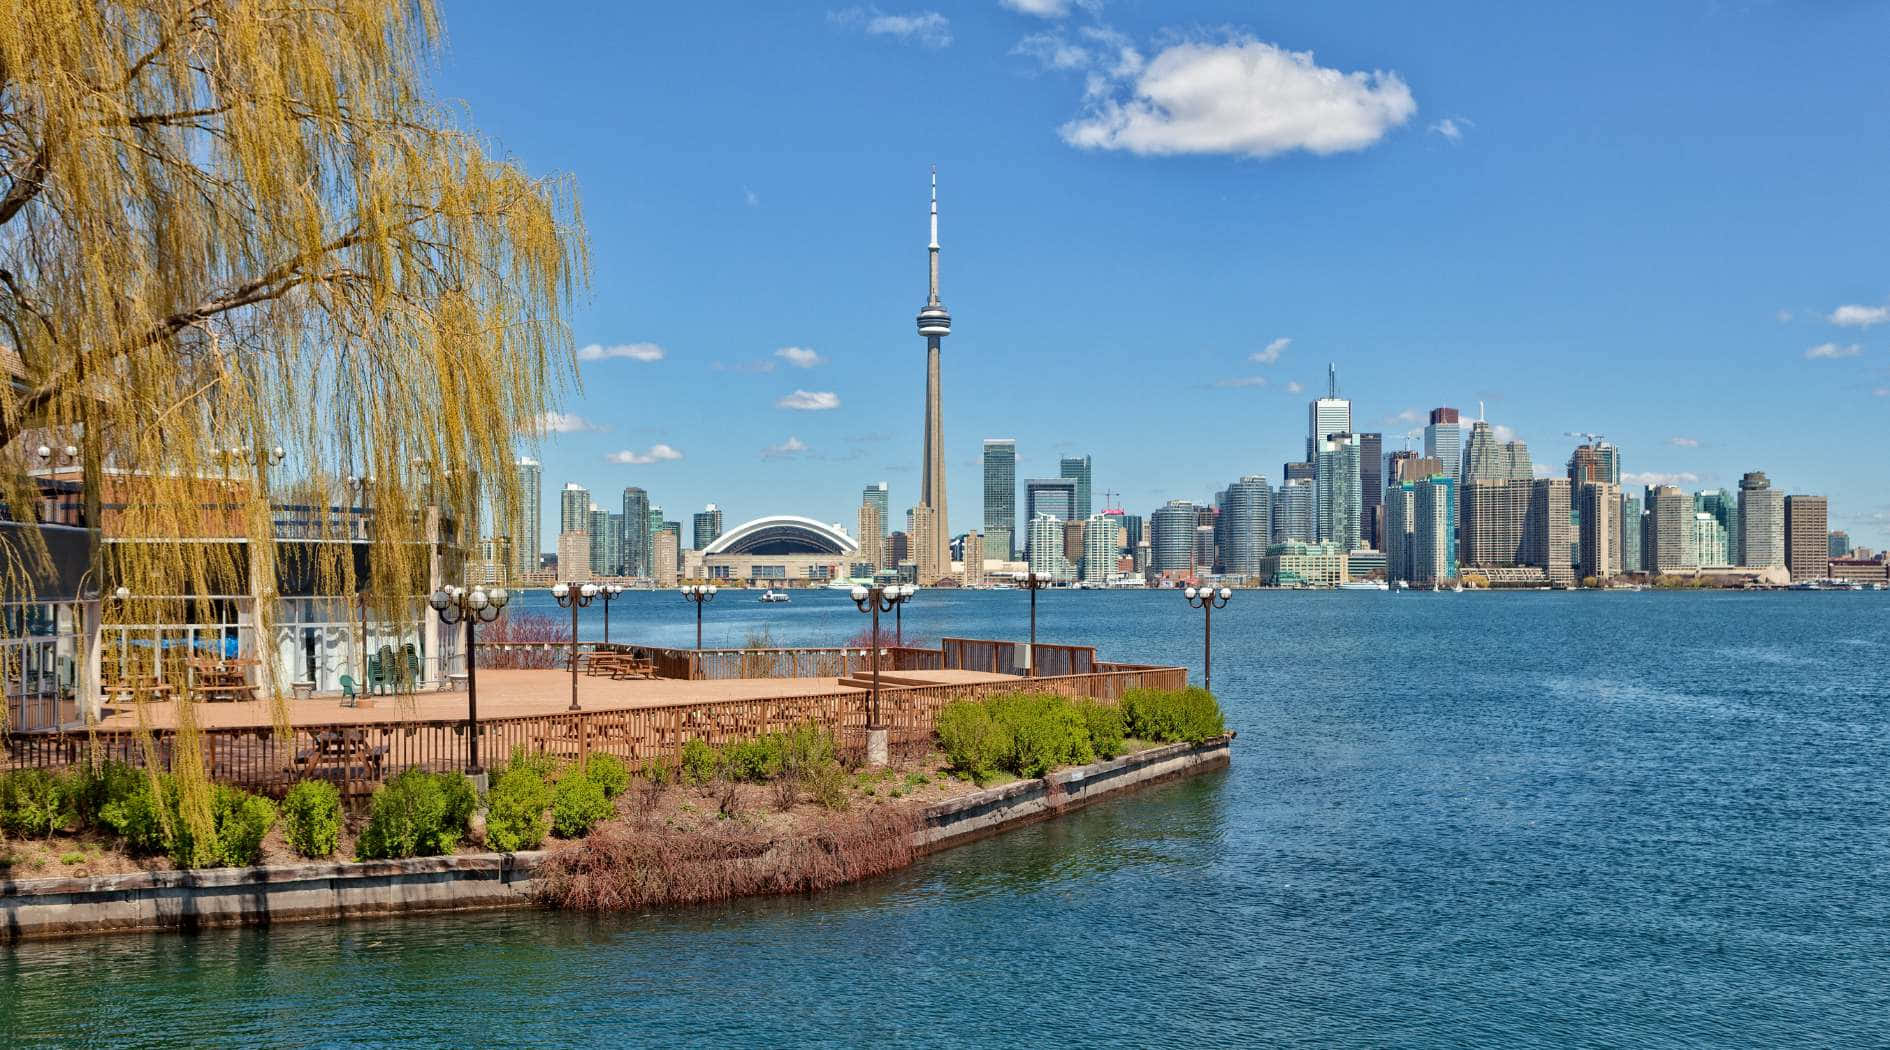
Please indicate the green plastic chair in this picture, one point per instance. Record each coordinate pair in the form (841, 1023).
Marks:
(373, 680)
(390, 670)
(347, 691)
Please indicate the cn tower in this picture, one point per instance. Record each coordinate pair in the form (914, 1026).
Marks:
(934, 324)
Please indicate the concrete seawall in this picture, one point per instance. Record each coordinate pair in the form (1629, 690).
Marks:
(328, 890)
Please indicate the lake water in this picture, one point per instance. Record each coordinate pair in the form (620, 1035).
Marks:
(1503, 819)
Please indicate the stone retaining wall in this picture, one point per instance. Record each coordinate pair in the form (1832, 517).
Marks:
(188, 900)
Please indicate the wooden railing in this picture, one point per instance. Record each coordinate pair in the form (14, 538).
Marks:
(358, 756)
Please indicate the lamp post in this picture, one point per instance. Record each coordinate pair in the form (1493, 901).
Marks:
(1207, 600)
(1033, 582)
(477, 606)
(877, 600)
(574, 596)
(609, 592)
(899, 607)
(699, 593)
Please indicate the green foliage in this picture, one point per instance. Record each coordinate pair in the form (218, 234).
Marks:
(93, 789)
(1106, 727)
(515, 808)
(658, 772)
(1190, 714)
(1046, 732)
(242, 821)
(545, 767)
(311, 818)
(762, 758)
(975, 742)
(34, 802)
(608, 772)
(578, 805)
(827, 782)
(416, 814)
(700, 762)
(139, 815)
(807, 747)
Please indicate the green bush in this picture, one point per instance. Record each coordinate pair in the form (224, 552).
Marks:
(700, 762)
(609, 773)
(141, 816)
(756, 760)
(515, 807)
(1106, 729)
(34, 802)
(311, 818)
(975, 742)
(578, 805)
(806, 747)
(1190, 714)
(94, 789)
(827, 782)
(416, 814)
(1046, 732)
(242, 821)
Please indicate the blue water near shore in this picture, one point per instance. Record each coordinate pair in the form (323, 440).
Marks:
(1509, 819)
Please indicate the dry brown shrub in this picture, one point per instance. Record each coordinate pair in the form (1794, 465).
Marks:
(620, 868)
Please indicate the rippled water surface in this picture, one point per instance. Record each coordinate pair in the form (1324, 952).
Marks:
(1519, 819)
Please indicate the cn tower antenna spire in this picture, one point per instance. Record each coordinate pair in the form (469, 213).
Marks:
(935, 323)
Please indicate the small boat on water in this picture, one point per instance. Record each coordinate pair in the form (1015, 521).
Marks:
(772, 595)
(1364, 585)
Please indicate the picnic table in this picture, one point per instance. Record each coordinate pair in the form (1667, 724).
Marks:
(621, 666)
(341, 749)
(132, 686)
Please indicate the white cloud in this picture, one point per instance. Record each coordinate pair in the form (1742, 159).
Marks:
(1040, 8)
(1409, 415)
(751, 198)
(810, 401)
(1784, 317)
(1832, 351)
(1293, 387)
(1271, 355)
(1502, 432)
(633, 351)
(926, 28)
(1542, 470)
(1242, 96)
(1859, 316)
(1654, 477)
(793, 446)
(656, 454)
(1452, 127)
(800, 356)
(1243, 381)
(1684, 442)
(559, 423)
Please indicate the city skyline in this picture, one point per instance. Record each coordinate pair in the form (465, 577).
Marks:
(1527, 274)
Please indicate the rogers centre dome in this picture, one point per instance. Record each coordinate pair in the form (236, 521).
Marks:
(783, 536)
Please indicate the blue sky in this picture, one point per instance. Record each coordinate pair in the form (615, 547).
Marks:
(1663, 222)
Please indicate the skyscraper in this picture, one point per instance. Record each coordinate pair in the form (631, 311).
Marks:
(528, 531)
(934, 324)
(877, 494)
(1400, 522)
(872, 535)
(1761, 522)
(1601, 530)
(1295, 512)
(1171, 539)
(1434, 530)
(1443, 440)
(1840, 544)
(613, 544)
(1099, 549)
(1371, 487)
(1327, 415)
(599, 531)
(574, 509)
(1496, 496)
(1046, 548)
(1078, 470)
(706, 526)
(1246, 525)
(1631, 534)
(1053, 496)
(1338, 498)
(1546, 543)
(1671, 522)
(1000, 498)
(636, 532)
(1307, 471)
(1707, 544)
(1807, 537)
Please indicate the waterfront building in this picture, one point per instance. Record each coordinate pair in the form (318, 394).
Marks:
(1839, 544)
(706, 526)
(1761, 523)
(1807, 537)
(528, 527)
(1670, 522)
(1297, 564)
(1547, 526)
(898, 549)
(1131, 529)
(1600, 543)
(1371, 488)
(1000, 497)
(934, 324)
(636, 532)
(1055, 497)
(880, 497)
(1400, 520)
(667, 560)
(1598, 462)
(599, 530)
(971, 556)
(1073, 542)
(1247, 525)
(1365, 563)
(1707, 544)
(1443, 440)
(1171, 540)
(931, 560)
(1338, 499)
(872, 530)
(1295, 512)
(1859, 569)
(779, 549)
(1434, 530)
(1496, 490)
(1046, 548)
(1204, 553)
(1078, 469)
(574, 555)
(656, 525)
(1632, 529)
(1327, 415)
(1100, 550)
(574, 509)
(1485, 458)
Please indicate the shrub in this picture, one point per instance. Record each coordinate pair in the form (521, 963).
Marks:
(700, 762)
(311, 818)
(658, 772)
(416, 814)
(139, 815)
(807, 746)
(1189, 714)
(827, 782)
(609, 773)
(94, 789)
(515, 808)
(242, 819)
(578, 805)
(762, 758)
(33, 802)
(975, 742)
(1046, 732)
(1106, 730)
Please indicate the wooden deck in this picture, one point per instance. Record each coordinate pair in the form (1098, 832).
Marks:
(520, 694)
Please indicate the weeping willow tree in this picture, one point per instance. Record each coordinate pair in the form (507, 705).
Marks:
(228, 227)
